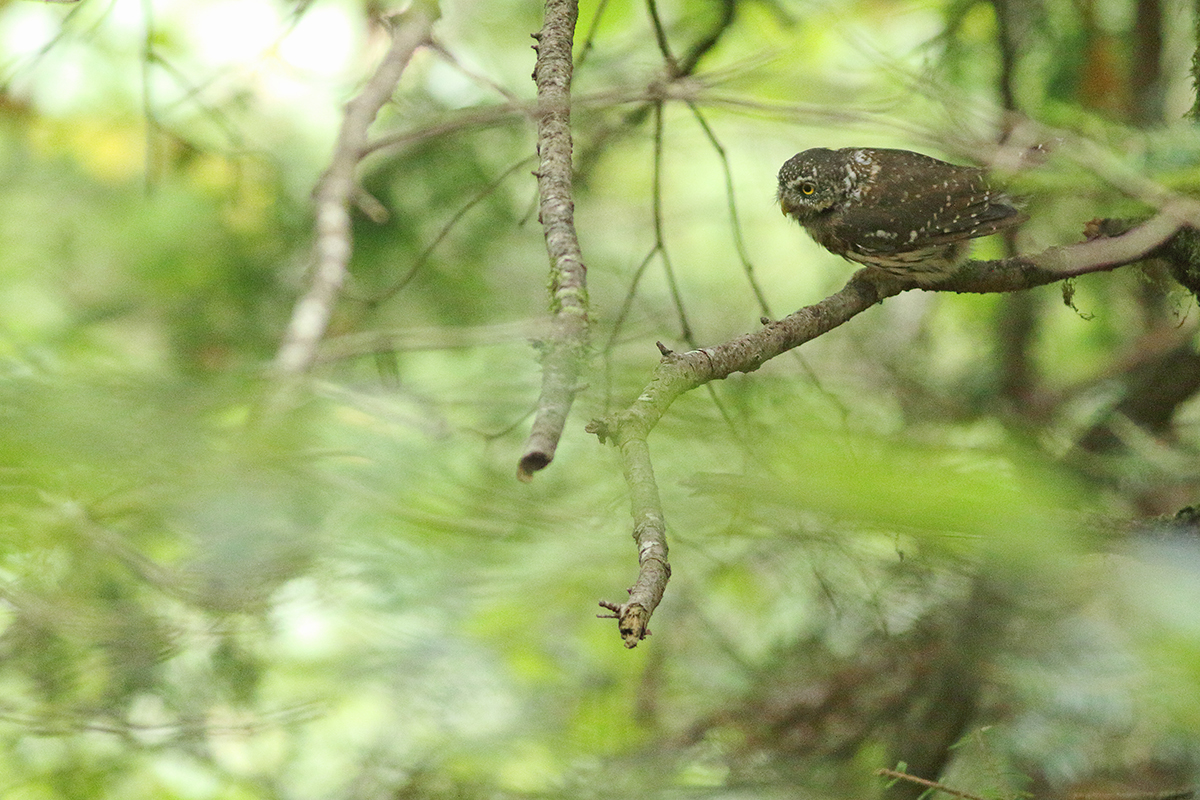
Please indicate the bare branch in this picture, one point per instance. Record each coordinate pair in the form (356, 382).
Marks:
(650, 533)
(568, 341)
(1098, 255)
(735, 224)
(677, 373)
(336, 189)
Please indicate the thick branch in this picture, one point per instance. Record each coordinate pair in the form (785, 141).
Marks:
(334, 191)
(1096, 255)
(566, 346)
(681, 372)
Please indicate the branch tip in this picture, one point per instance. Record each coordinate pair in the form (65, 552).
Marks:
(631, 621)
(530, 463)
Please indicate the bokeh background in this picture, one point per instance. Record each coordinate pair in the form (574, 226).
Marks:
(953, 537)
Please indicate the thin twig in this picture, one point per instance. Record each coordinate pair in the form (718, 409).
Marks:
(567, 345)
(941, 787)
(589, 40)
(421, 260)
(477, 77)
(740, 246)
(660, 36)
(660, 240)
(336, 189)
(735, 224)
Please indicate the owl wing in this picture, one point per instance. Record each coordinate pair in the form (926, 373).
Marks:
(926, 211)
(890, 231)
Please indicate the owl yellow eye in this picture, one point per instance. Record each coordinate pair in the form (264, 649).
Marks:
(807, 188)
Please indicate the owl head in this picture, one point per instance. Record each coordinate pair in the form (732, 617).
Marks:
(813, 182)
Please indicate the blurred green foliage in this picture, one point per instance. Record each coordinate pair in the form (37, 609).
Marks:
(203, 595)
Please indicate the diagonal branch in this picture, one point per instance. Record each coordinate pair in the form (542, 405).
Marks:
(677, 373)
(566, 347)
(333, 194)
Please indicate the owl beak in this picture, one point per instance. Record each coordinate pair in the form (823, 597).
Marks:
(784, 207)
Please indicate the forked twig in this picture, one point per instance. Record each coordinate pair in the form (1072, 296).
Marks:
(334, 193)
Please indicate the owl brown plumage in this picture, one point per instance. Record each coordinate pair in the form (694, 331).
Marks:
(903, 212)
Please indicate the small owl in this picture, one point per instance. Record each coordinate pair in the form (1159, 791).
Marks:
(903, 212)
